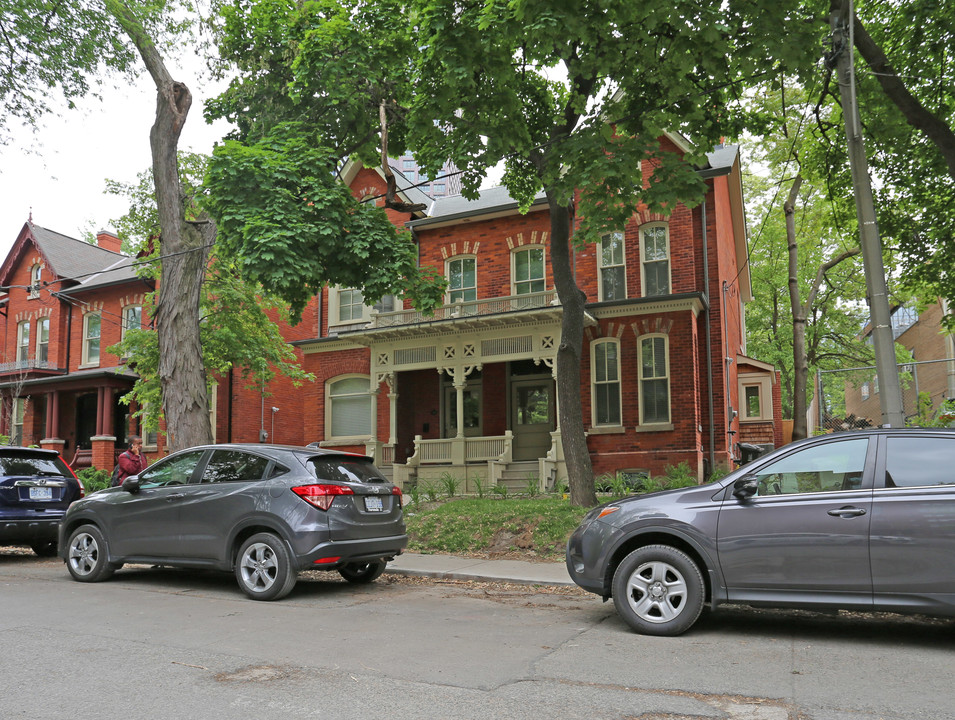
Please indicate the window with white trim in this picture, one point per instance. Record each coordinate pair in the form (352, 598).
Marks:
(42, 341)
(347, 306)
(92, 323)
(654, 380)
(756, 399)
(613, 269)
(132, 318)
(23, 341)
(349, 407)
(655, 259)
(35, 272)
(462, 279)
(528, 271)
(605, 379)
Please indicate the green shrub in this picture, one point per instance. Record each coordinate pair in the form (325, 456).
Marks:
(480, 487)
(680, 475)
(532, 486)
(500, 489)
(94, 479)
(430, 491)
(449, 484)
(414, 493)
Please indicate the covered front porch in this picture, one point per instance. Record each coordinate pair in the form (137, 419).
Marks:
(470, 393)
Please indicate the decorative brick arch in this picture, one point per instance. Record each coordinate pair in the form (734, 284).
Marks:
(645, 217)
(467, 247)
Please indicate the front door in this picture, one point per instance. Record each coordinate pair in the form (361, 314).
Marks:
(532, 417)
(472, 411)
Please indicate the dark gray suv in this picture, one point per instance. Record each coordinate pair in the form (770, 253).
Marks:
(855, 520)
(264, 512)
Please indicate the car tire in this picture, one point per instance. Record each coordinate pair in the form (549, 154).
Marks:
(263, 568)
(44, 549)
(658, 590)
(362, 573)
(87, 554)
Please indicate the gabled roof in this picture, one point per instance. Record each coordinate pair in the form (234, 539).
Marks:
(79, 264)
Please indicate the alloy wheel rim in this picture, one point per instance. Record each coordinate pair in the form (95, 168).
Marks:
(84, 552)
(259, 567)
(656, 592)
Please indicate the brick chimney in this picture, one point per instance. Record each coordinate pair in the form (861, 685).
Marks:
(106, 240)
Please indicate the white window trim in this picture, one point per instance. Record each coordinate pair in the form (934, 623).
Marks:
(525, 248)
(601, 266)
(605, 427)
(124, 326)
(347, 439)
(447, 274)
(643, 274)
(17, 419)
(85, 359)
(668, 424)
(36, 352)
(334, 305)
(35, 273)
(23, 343)
(765, 385)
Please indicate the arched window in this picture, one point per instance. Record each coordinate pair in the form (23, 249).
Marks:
(655, 259)
(605, 380)
(613, 268)
(35, 273)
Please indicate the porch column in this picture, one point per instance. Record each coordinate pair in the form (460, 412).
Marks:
(392, 410)
(49, 430)
(459, 385)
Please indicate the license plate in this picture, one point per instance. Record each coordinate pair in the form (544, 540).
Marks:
(41, 493)
(373, 504)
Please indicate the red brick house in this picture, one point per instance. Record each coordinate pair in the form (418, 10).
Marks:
(469, 390)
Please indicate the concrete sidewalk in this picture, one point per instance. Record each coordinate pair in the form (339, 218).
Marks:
(452, 567)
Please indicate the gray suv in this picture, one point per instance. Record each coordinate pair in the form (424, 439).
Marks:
(264, 512)
(855, 520)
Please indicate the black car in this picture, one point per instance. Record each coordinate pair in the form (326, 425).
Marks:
(855, 520)
(264, 512)
(36, 487)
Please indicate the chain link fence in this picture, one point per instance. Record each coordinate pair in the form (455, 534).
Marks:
(849, 399)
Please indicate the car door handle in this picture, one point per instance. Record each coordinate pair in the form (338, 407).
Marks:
(847, 512)
(176, 496)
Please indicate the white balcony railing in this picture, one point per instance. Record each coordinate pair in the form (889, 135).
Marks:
(461, 309)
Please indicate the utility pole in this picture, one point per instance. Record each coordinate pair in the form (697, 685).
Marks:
(841, 19)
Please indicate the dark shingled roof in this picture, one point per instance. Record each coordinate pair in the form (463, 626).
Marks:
(88, 265)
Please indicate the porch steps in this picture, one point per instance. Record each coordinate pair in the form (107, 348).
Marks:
(517, 474)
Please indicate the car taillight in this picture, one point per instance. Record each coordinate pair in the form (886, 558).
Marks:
(82, 488)
(321, 496)
(396, 491)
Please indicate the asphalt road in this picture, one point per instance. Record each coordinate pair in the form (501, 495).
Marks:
(162, 643)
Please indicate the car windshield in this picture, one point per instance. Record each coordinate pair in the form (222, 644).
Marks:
(32, 465)
(344, 469)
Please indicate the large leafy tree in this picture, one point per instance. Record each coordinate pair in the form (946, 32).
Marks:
(238, 328)
(572, 97)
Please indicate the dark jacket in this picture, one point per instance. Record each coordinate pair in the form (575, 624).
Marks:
(130, 464)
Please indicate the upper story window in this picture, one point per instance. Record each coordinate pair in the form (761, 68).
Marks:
(91, 338)
(462, 279)
(35, 273)
(528, 271)
(349, 407)
(655, 259)
(756, 398)
(408, 164)
(437, 189)
(613, 271)
(42, 341)
(347, 305)
(654, 380)
(350, 305)
(132, 318)
(23, 341)
(605, 377)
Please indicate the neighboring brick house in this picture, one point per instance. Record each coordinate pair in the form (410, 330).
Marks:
(932, 373)
(468, 391)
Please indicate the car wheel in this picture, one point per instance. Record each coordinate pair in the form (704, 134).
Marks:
(86, 555)
(264, 568)
(362, 572)
(658, 590)
(45, 549)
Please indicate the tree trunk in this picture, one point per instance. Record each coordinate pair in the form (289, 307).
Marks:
(800, 364)
(576, 454)
(184, 252)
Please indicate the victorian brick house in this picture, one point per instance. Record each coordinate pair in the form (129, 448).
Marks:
(468, 390)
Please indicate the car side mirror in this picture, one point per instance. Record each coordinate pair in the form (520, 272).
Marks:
(745, 487)
(131, 484)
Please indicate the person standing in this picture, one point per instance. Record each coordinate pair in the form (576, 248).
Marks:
(132, 461)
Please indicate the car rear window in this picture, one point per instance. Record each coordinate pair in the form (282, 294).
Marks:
(32, 465)
(345, 469)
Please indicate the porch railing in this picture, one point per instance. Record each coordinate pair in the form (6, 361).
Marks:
(462, 309)
(458, 451)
